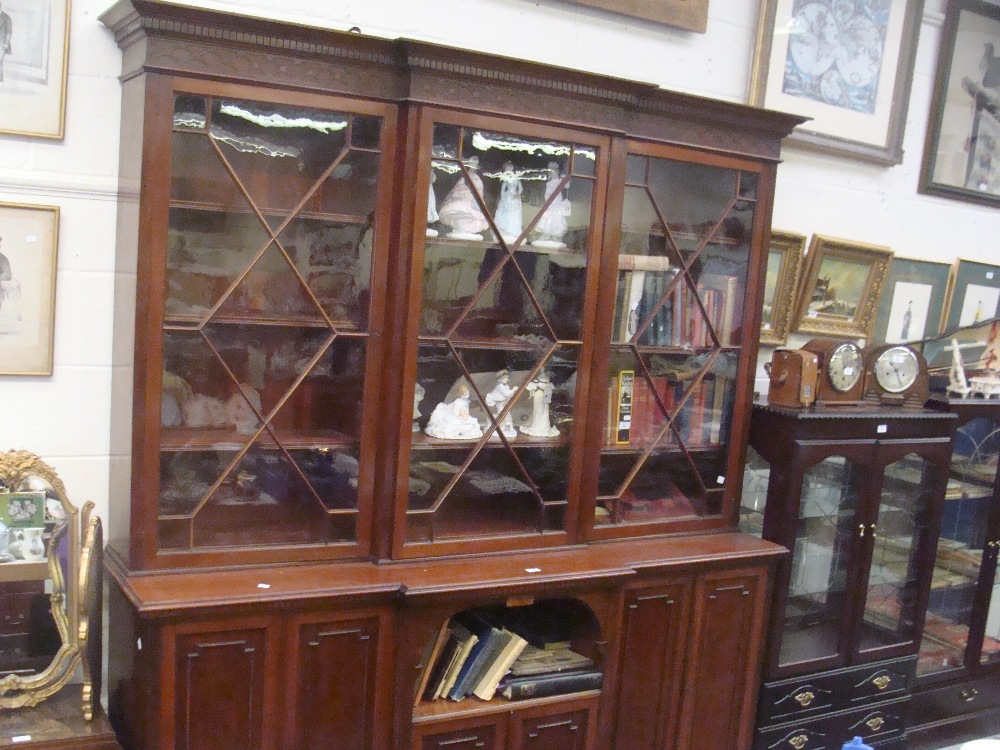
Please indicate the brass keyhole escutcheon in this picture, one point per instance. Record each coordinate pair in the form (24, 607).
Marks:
(875, 724)
(882, 681)
(804, 699)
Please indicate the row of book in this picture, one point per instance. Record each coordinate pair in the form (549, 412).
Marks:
(638, 409)
(676, 319)
(471, 656)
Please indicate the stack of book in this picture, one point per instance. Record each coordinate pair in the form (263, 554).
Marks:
(551, 669)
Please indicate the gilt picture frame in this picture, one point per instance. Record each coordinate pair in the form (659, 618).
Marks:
(784, 262)
(912, 304)
(34, 57)
(840, 287)
(973, 295)
(28, 249)
(962, 149)
(847, 66)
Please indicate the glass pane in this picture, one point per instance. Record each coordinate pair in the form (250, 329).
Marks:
(817, 601)
(892, 586)
(278, 152)
(991, 640)
(189, 112)
(756, 477)
(199, 175)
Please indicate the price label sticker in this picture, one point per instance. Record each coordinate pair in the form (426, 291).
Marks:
(812, 314)
(720, 479)
(263, 585)
(882, 429)
(532, 570)
(21, 738)
(989, 274)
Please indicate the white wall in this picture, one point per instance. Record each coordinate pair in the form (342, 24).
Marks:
(65, 418)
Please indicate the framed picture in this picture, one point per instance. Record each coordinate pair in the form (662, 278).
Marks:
(974, 294)
(840, 287)
(686, 14)
(962, 151)
(34, 50)
(847, 65)
(784, 260)
(28, 244)
(912, 305)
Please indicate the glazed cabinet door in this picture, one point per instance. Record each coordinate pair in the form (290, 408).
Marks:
(504, 273)
(335, 682)
(222, 680)
(654, 637)
(724, 660)
(263, 338)
(675, 336)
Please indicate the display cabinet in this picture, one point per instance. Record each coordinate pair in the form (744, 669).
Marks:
(958, 679)
(856, 495)
(420, 332)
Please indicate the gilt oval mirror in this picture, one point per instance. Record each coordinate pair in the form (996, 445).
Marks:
(40, 581)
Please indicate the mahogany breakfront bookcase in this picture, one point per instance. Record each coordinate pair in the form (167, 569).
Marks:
(289, 534)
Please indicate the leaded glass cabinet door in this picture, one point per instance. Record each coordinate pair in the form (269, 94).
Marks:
(825, 555)
(899, 534)
(676, 342)
(505, 276)
(959, 631)
(273, 276)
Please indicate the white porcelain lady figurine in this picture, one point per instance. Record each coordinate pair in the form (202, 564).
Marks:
(460, 210)
(552, 225)
(452, 421)
(540, 390)
(509, 217)
(432, 212)
(418, 396)
(497, 400)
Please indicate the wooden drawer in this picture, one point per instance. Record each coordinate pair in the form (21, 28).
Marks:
(837, 690)
(957, 698)
(880, 726)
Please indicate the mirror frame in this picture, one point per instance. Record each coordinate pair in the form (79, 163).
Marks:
(68, 597)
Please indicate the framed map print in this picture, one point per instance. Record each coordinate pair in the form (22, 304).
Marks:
(847, 64)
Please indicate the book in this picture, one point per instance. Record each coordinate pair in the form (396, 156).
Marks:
(466, 641)
(540, 686)
(623, 410)
(487, 685)
(479, 659)
(432, 652)
(535, 661)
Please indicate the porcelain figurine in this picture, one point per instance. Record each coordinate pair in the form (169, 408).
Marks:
(418, 396)
(239, 415)
(432, 212)
(452, 421)
(460, 210)
(509, 218)
(497, 400)
(540, 391)
(552, 225)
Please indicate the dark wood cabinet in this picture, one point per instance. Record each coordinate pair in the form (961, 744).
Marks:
(420, 332)
(856, 495)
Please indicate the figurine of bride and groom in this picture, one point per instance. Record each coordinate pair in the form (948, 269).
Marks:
(462, 212)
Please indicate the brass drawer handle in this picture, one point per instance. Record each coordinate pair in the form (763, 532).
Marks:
(882, 681)
(799, 741)
(805, 698)
(968, 695)
(875, 724)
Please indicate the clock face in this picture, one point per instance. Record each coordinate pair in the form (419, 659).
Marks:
(844, 367)
(896, 369)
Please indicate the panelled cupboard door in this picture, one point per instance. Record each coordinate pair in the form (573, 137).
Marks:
(334, 670)
(222, 699)
(552, 728)
(723, 666)
(654, 641)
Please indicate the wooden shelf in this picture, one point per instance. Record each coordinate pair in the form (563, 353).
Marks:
(430, 711)
(421, 440)
(179, 439)
(186, 321)
(280, 212)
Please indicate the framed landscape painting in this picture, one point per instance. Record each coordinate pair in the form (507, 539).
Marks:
(34, 51)
(846, 65)
(962, 152)
(840, 287)
(912, 304)
(784, 261)
(28, 244)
